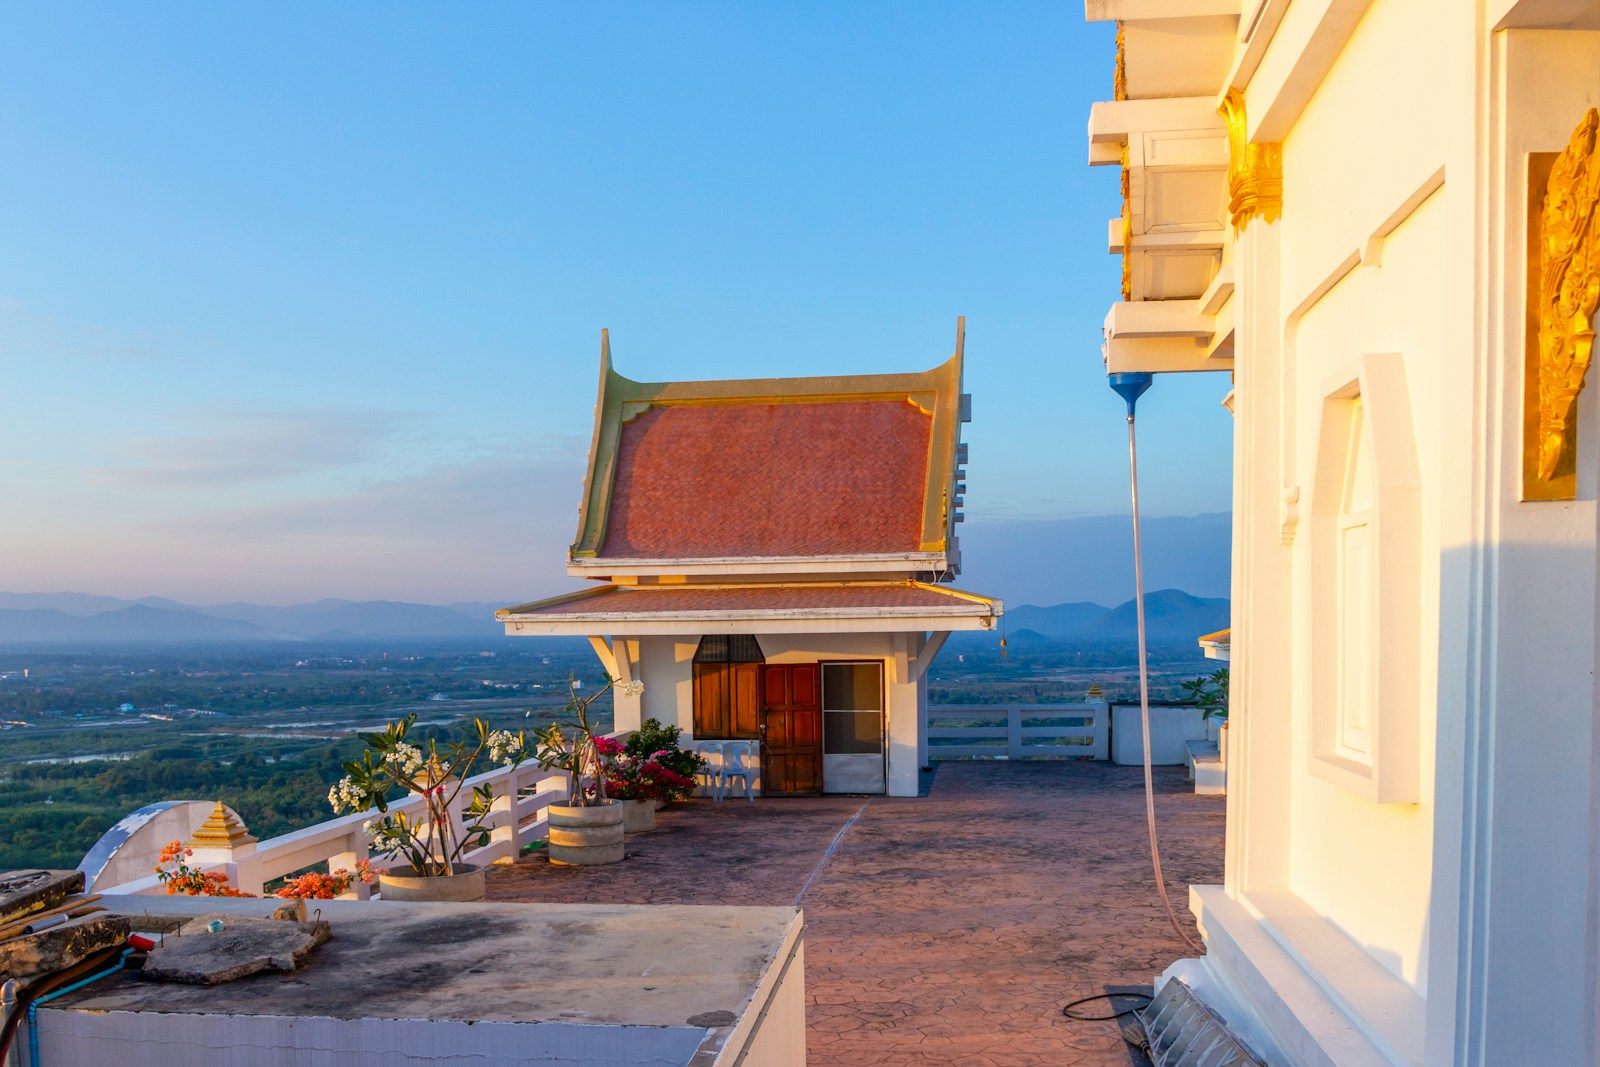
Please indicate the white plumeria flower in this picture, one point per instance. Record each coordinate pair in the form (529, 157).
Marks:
(344, 794)
(633, 689)
(409, 757)
(504, 746)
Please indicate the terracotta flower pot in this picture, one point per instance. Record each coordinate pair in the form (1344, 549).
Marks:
(586, 836)
(404, 883)
(638, 816)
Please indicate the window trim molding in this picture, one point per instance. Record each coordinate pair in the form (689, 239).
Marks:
(1392, 772)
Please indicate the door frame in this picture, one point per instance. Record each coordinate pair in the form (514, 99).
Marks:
(883, 711)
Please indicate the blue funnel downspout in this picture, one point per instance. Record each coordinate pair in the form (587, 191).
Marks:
(1130, 385)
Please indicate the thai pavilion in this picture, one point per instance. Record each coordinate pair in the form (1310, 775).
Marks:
(771, 558)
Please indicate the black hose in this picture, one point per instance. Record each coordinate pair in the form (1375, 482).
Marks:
(1066, 1009)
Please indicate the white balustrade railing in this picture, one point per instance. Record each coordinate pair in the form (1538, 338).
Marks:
(517, 815)
(1018, 731)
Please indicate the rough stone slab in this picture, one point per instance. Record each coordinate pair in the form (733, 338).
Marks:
(24, 892)
(61, 946)
(246, 945)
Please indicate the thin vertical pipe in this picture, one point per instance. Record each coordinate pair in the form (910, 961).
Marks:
(1144, 693)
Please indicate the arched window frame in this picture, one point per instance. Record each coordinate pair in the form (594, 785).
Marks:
(1366, 613)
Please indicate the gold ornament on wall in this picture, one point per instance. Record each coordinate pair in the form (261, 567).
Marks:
(1119, 76)
(1255, 171)
(1127, 226)
(1564, 289)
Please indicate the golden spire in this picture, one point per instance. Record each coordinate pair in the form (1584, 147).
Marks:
(222, 829)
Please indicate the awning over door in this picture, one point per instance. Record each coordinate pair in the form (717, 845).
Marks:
(773, 607)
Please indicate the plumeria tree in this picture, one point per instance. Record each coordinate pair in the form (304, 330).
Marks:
(435, 842)
(1210, 694)
(571, 745)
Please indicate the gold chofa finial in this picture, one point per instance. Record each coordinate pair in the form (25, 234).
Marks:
(1255, 171)
(1569, 289)
(222, 829)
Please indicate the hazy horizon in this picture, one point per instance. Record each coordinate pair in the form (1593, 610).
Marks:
(1040, 562)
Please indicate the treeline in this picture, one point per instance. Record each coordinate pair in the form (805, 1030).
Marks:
(51, 814)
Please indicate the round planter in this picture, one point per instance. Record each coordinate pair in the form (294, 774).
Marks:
(638, 816)
(586, 836)
(404, 883)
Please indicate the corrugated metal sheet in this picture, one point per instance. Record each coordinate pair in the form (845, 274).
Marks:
(1180, 1031)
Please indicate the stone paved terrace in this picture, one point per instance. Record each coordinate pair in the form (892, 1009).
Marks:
(947, 929)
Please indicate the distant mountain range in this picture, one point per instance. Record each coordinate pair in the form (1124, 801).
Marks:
(26, 618)
(81, 617)
(1171, 616)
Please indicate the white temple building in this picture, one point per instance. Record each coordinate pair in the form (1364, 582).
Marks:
(1377, 215)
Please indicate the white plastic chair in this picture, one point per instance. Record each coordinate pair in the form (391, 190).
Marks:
(736, 763)
(711, 751)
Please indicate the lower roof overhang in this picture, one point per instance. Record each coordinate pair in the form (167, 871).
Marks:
(1217, 645)
(766, 608)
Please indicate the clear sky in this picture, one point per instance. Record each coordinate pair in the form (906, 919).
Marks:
(305, 300)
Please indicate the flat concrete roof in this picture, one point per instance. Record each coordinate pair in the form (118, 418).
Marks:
(688, 973)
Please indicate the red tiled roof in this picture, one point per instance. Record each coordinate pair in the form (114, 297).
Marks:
(679, 600)
(822, 478)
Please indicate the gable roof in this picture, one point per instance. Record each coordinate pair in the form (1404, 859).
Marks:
(775, 470)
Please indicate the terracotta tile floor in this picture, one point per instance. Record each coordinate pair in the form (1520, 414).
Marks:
(948, 929)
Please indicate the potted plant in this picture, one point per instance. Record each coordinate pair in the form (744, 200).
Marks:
(433, 844)
(640, 780)
(587, 829)
(659, 744)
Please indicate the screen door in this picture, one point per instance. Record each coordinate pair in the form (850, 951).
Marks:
(852, 728)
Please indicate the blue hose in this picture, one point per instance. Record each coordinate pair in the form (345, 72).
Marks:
(33, 1008)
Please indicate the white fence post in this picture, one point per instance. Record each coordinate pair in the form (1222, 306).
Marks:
(348, 860)
(1102, 730)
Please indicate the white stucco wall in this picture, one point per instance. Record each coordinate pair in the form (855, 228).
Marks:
(1367, 866)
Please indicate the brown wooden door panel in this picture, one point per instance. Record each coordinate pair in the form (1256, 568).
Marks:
(774, 686)
(804, 685)
(710, 700)
(745, 690)
(727, 700)
(791, 716)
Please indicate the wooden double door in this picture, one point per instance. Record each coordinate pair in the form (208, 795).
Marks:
(778, 705)
(791, 729)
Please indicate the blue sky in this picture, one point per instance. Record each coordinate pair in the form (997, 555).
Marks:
(305, 300)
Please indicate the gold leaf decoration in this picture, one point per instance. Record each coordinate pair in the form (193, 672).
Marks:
(1569, 289)
(1255, 171)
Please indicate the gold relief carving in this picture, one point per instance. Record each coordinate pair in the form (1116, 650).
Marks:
(1119, 79)
(1255, 171)
(1127, 227)
(1564, 288)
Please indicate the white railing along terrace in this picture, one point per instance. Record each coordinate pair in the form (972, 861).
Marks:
(517, 815)
(1017, 731)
